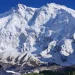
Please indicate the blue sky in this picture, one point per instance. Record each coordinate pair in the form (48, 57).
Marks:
(6, 5)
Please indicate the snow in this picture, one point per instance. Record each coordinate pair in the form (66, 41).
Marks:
(10, 72)
(44, 54)
(74, 36)
(46, 34)
(67, 47)
(58, 7)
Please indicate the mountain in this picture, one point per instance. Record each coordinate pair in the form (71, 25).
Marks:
(34, 35)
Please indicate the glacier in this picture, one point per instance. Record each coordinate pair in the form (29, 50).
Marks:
(45, 34)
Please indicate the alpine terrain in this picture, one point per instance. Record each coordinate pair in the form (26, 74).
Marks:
(38, 35)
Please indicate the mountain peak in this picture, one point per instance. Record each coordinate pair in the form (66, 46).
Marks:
(58, 7)
(21, 6)
(46, 32)
(51, 6)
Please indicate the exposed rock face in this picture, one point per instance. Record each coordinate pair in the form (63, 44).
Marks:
(2, 71)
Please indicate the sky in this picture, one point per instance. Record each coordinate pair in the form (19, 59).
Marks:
(6, 5)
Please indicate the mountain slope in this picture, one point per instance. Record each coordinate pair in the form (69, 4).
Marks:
(45, 34)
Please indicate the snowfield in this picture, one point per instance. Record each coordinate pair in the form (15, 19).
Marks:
(34, 35)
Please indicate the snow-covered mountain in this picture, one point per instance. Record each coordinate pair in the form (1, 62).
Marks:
(45, 34)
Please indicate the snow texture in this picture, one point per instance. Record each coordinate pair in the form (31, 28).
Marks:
(46, 34)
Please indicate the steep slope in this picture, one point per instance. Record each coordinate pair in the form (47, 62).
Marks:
(45, 34)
